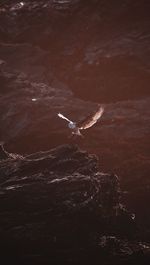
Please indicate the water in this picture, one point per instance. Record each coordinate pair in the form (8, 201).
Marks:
(68, 56)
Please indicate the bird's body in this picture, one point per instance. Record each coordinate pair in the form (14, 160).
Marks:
(87, 123)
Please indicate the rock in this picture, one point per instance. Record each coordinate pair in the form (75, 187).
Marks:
(58, 204)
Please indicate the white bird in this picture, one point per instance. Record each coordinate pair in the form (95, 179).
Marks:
(85, 124)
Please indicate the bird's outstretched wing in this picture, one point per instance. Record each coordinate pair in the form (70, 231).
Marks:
(63, 117)
(91, 120)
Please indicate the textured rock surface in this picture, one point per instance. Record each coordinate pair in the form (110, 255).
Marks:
(57, 206)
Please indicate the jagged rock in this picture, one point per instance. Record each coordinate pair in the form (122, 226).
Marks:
(57, 202)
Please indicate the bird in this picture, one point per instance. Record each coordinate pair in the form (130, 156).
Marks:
(85, 124)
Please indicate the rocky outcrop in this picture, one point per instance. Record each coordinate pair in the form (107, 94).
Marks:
(57, 206)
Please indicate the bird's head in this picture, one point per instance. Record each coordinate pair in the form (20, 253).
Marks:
(72, 125)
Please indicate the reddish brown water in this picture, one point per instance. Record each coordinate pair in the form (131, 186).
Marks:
(90, 52)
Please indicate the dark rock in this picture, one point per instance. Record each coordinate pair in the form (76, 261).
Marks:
(57, 205)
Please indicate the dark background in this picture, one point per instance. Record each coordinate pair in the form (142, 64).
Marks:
(70, 56)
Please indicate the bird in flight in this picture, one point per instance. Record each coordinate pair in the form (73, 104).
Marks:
(85, 124)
